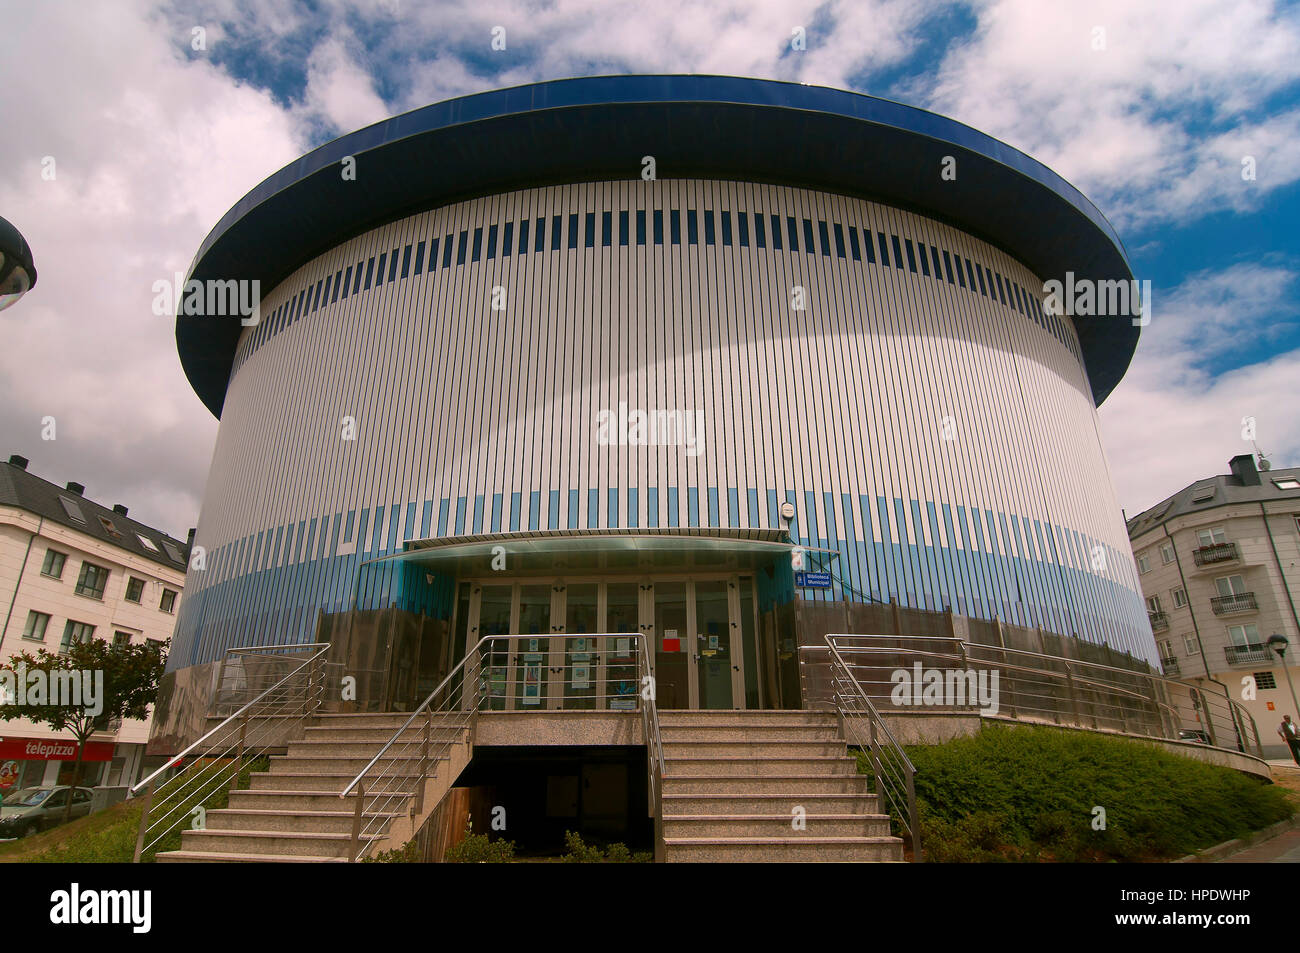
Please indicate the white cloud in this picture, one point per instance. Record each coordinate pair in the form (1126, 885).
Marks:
(1174, 420)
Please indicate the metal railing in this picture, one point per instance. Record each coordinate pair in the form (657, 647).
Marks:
(1170, 666)
(1049, 689)
(500, 673)
(1214, 553)
(1159, 621)
(653, 744)
(266, 721)
(860, 721)
(1247, 654)
(1237, 602)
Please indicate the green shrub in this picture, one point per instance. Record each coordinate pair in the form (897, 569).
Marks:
(1023, 793)
(406, 854)
(578, 852)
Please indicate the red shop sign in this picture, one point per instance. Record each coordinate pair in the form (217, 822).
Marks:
(53, 749)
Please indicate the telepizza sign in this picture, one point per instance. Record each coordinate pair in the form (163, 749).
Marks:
(53, 749)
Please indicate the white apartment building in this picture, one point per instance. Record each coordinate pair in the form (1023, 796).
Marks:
(1219, 565)
(72, 570)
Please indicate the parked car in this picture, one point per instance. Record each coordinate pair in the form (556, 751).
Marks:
(25, 812)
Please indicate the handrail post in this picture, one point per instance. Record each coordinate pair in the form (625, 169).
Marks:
(144, 820)
(356, 822)
(1069, 690)
(417, 803)
(239, 758)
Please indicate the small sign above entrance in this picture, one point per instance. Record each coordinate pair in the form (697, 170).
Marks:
(812, 580)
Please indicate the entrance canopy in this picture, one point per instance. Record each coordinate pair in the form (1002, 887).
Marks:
(606, 550)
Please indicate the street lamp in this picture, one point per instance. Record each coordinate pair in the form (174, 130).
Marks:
(17, 272)
(1279, 644)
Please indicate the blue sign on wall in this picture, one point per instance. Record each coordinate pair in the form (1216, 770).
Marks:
(812, 580)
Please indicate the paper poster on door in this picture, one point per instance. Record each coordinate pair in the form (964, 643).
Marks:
(671, 642)
(532, 688)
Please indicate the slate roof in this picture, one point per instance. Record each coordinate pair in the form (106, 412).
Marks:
(1228, 490)
(27, 491)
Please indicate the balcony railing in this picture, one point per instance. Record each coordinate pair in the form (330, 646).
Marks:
(1216, 553)
(1238, 602)
(1170, 665)
(1159, 621)
(1242, 654)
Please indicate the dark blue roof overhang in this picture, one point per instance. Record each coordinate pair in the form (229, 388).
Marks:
(598, 128)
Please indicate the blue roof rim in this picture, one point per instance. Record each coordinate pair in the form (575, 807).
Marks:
(464, 114)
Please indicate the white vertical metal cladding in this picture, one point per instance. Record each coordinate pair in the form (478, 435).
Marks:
(944, 442)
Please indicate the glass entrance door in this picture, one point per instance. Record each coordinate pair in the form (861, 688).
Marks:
(712, 645)
(671, 634)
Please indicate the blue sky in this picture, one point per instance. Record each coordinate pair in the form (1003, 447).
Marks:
(1148, 108)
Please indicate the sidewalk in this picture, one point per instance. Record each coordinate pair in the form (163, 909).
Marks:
(1284, 848)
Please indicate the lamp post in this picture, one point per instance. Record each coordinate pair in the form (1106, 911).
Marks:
(17, 271)
(1279, 644)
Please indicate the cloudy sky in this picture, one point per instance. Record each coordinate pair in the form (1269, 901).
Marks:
(122, 145)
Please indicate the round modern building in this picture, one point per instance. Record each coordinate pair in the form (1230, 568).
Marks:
(730, 362)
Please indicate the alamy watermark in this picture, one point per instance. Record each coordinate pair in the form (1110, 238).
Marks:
(1084, 297)
(210, 298)
(949, 688)
(61, 688)
(651, 428)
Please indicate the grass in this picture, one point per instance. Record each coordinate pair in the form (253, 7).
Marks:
(1020, 793)
(109, 836)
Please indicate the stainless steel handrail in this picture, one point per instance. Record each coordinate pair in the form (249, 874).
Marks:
(225, 757)
(654, 743)
(462, 694)
(905, 775)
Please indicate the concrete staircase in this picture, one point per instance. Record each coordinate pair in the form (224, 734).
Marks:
(733, 780)
(293, 814)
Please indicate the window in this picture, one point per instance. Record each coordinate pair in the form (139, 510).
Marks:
(1287, 484)
(121, 638)
(35, 627)
(1264, 680)
(72, 509)
(147, 543)
(1166, 648)
(1180, 598)
(1167, 553)
(1153, 604)
(1212, 537)
(168, 601)
(1144, 564)
(134, 590)
(75, 632)
(1230, 585)
(1243, 636)
(92, 580)
(1189, 644)
(1203, 492)
(109, 527)
(53, 565)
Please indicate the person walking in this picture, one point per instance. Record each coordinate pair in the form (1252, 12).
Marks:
(1291, 736)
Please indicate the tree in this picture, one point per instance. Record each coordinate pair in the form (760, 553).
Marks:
(129, 672)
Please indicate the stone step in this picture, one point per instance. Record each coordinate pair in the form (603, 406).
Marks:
(268, 842)
(697, 804)
(734, 748)
(378, 736)
(230, 857)
(350, 764)
(744, 732)
(408, 748)
(390, 720)
(695, 826)
(683, 717)
(320, 781)
(758, 766)
(792, 785)
(783, 850)
(312, 822)
(312, 801)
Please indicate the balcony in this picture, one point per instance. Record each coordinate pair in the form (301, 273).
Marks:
(1234, 604)
(1247, 654)
(1170, 666)
(1159, 621)
(1216, 554)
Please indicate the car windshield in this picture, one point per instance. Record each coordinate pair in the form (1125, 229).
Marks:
(31, 798)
